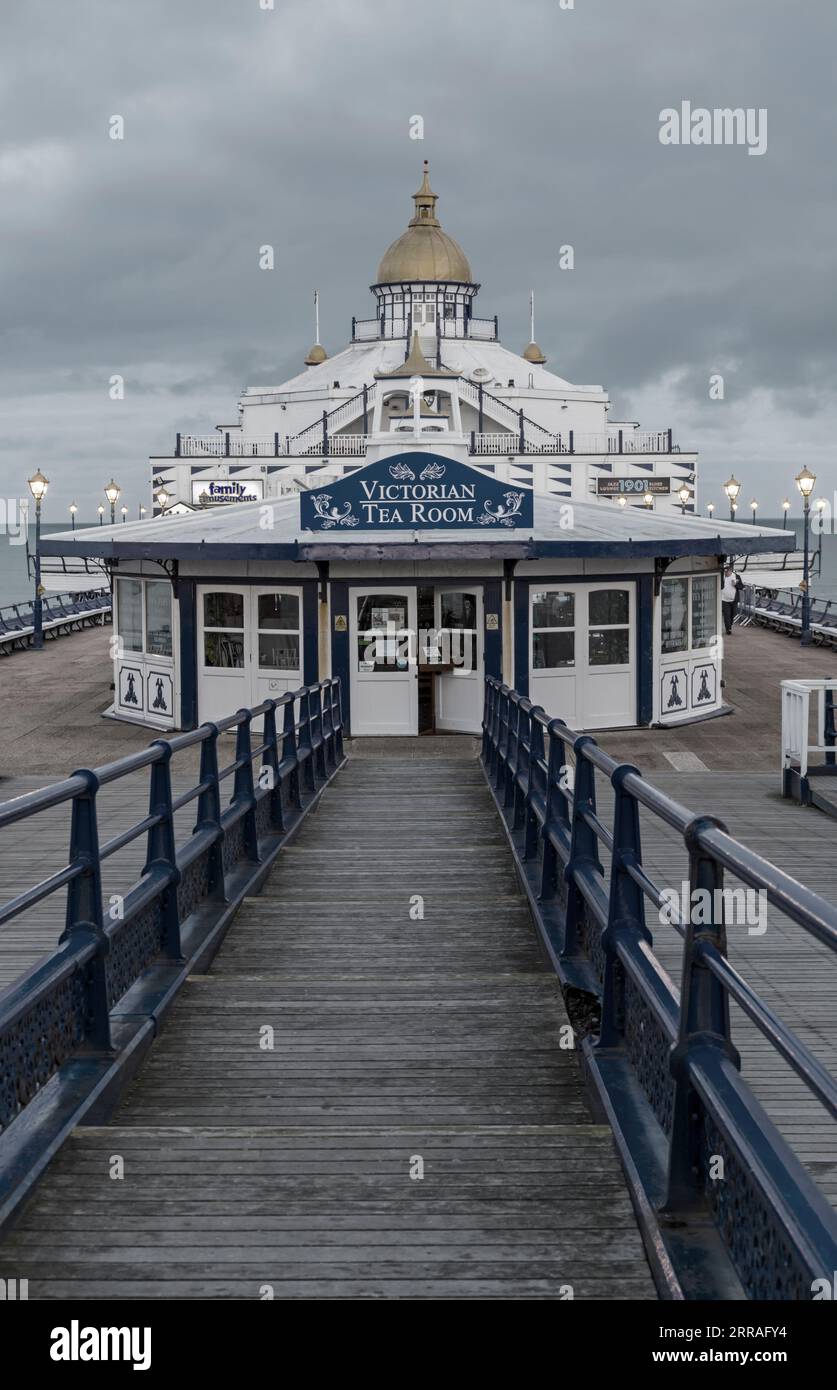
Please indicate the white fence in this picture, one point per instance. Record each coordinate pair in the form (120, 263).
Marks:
(796, 723)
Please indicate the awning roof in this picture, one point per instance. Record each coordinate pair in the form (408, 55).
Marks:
(238, 531)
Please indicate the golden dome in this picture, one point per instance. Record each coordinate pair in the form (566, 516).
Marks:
(533, 353)
(424, 251)
(317, 355)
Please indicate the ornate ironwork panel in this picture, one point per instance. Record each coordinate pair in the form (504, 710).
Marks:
(193, 886)
(33, 1048)
(766, 1263)
(134, 946)
(648, 1049)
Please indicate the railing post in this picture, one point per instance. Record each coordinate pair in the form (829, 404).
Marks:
(480, 425)
(208, 815)
(177, 446)
(704, 1017)
(271, 761)
(354, 327)
(243, 789)
(227, 443)
(84, 918)
(619, 449)
(556, 808)
(473, 442)
(584, 846)
(325, 433)
(829, 730)
(626, 904)
(289, 753)
(161, 849)
(317, 738)
(337, 695)
(522, 432)
(503, 702)
(276, 444)
(535, 755)
(303, 745)
(328, 725)
(572, 441)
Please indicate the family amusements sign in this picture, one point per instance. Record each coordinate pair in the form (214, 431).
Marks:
(408, 492)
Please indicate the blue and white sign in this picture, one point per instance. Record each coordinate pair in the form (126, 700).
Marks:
(417, 491)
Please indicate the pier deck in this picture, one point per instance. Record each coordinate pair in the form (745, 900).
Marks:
(397, 1042)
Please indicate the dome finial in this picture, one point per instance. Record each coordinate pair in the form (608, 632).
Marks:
(425, 201)
(424, 251)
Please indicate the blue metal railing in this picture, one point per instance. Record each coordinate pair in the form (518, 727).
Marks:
(60, 612)
(664, 1062)
(65, 1002)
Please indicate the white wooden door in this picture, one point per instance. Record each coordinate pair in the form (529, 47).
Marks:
(383, 677)
(459, 693)
(249, 646)
(582, 666)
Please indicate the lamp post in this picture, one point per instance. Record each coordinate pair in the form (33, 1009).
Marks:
(711, 510)
(755, 506)
(785, 510)
(38, 485)
(124, 511)
(648, 499)
(101, 512)
(623, 501)
(806, 482)
(113, 492)
(162, 497)
(73, 510)
(684, 494)
(732, 487)
(141, 512)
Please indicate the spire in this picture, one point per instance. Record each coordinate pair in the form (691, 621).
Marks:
(532, 353)
(317, 353)
(425, 203)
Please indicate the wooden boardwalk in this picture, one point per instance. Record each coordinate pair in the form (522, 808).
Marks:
(411, 1127)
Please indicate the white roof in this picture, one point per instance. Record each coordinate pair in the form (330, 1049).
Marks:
(359, 362)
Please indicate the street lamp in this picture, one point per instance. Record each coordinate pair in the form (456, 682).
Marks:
(806, 482)
(124, 511)
(684, 494)
(623, 501)
(785, 510)
(648, 499)
(113, 492)
(73, 510)
(38, 485)
(755, 506)
(732, 488)
(711, 510)
(101, 512)
(141, 511)
(162, 497)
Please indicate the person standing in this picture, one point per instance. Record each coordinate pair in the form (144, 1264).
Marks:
(731, 587)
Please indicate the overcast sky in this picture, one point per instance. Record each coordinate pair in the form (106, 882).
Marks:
(246, 126)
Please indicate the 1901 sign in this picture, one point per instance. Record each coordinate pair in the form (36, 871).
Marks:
(613, 487)
(417, 491)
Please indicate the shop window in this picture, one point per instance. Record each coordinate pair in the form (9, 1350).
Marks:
(158, 618)
(553, 630)
(689, 611)
(279, 632)
(704, 610)
(129, 613)
(223, 630)
(609, 632)
(675, 615)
